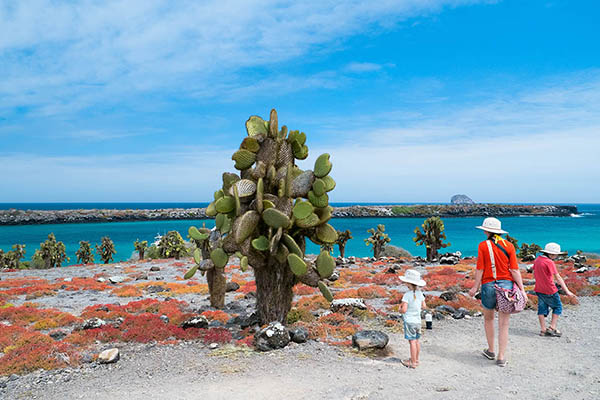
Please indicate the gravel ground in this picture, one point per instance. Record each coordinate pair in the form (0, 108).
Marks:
(451, 368)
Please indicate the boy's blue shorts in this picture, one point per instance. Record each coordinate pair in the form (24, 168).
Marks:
(547, 301)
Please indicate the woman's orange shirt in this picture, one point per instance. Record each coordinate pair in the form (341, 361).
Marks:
(503, 264)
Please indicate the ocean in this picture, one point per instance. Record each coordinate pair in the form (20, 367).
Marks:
(579, 232)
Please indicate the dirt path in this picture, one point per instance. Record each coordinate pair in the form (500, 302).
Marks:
(539, 368)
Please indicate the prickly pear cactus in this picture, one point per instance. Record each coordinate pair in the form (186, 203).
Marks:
(263, 215)
(106, 250)
(378, 239)
(432, 237)
(343, 237)
(84, 254)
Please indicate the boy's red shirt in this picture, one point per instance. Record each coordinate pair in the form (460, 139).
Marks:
(543, 271)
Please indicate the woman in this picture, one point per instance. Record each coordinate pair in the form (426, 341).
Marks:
(500, 253)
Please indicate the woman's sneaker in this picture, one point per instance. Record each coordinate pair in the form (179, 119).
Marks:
(488, 354)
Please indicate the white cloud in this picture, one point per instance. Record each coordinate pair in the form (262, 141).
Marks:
(539, 145)
(64, 56)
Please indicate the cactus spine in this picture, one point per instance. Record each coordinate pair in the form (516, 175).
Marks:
(378, 240)
(265, 214)
(432, 237)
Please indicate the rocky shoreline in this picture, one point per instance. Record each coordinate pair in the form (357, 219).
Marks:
(33, 217)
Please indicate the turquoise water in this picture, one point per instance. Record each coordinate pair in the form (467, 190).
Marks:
(573, 233)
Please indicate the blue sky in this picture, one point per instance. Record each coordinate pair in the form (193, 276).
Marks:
(414, 100)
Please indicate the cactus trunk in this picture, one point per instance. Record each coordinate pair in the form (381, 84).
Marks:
(342, 248)
(274, 292)
(216, 286)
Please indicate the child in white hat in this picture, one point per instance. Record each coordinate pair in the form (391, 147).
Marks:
(412, 303)
(544, 271)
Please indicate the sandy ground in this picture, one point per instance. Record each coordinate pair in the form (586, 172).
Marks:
(451, 368)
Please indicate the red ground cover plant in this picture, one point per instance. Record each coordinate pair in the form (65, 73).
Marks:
(364, 292)
(42, 318)
(216, 315)
(387, 279)
(127, 291)
(394, 297)
(463, 301)
(303, 290)
(312, 303)
(445, 278)
(247, 287)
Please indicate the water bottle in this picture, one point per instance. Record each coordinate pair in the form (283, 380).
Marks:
(428, 321)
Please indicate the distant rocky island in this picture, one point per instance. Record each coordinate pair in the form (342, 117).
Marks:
(461, 199)
(32, 217)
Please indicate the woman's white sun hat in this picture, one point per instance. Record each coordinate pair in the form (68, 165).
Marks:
(412, 276)
(491, 224)
(553, 248)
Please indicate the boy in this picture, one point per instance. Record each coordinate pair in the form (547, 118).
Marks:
(544, 271)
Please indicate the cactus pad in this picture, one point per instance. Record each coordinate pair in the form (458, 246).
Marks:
(324, 214)
(322, 166)
(302, 209)
(250, 144)
(245, 225)
(256, 126)
(195, 234)
(329, 183)
(243, 159)
(325, 291)
(291, 245)
(275, 218)
(219, 257)
(191, 272)
(244, 263)
(261, 243)
(245, 188)
(197, 256)
(318, 201)
(308, 222)
(297, 265)
(325, 264)
(319, 187)
(225, 204)
(229, 179)
(326, 233)
(211, 211)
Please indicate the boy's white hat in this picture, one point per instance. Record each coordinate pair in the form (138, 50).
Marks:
(552, 248)
(413, 276)
(491, 224)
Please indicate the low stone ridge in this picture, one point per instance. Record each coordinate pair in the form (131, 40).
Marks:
(461, 199)
(30, 217)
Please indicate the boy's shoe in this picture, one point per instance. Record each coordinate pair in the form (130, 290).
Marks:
(501, 363)
(488, 354)
(408, 363)
(553, 332)
(544, 333)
